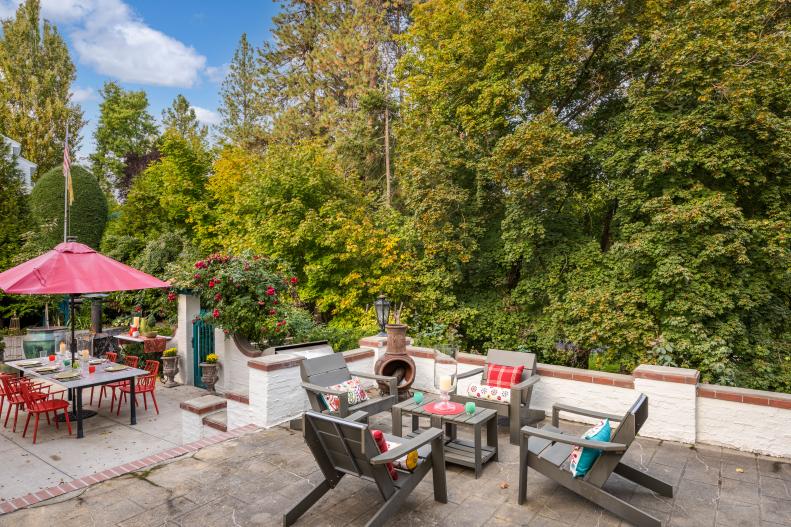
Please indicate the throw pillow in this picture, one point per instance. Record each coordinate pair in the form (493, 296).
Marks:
(582, 459)
(489, 393)
(406, 462)
(379, 439)
(501, 376)
(353, 387)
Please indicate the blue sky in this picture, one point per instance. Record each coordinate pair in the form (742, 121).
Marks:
(164, 47)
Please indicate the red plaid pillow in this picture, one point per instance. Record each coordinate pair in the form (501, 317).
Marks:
(501, 376)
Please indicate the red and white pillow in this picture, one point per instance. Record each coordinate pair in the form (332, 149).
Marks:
(489, 393)
(500, 376)
(353, 387)
(406, 462)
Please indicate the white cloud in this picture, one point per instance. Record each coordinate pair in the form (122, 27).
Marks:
(206, 116)
(110, 37)
(217, 74)
(79, 95)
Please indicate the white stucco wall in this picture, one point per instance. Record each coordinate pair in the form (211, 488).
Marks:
(760, 429)
(611, 399)
(671, 410)
(276, 396)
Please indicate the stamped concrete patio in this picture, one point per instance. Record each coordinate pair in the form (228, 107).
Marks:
(253, 479)
(109, 441)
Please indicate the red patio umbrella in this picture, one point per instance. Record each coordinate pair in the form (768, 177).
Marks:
(74, 268)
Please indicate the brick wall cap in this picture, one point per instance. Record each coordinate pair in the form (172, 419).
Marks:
(548, 369)
(373, 341)
(358, 354)
(203, 404)
(240, 397)
(275, 362)
(470, 358)
(712, 390)
(666, 373)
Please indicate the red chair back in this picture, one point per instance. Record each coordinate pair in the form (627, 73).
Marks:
(131, 361)
(149, 381)
(111, 356)
(27, 396)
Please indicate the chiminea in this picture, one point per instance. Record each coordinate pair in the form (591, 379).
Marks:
(395, 362)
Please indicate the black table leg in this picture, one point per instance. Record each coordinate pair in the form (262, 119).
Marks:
(133, 418)
(78, 410)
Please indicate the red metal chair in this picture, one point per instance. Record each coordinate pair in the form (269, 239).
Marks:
(37, 406)
(129, 360)
(112, 357)
(145, 384)
(12, 390)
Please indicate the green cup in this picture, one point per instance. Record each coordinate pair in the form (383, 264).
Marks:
(470, 407)
(418, 397)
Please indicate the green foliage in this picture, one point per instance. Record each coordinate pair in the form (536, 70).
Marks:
(35, 92)
(181, 118)
(241, 109)
(14, 214)
(246, 295)
(124, 137)
(88, 213)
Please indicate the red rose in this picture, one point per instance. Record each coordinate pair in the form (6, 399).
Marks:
(215, 313)
(138, 309)
(197, 276)
(211, 283)
(225, 331)
(272, 312)
(171, 296)
(261, 302)
(293, 279)
(200, 265)
(275, 302)
(270, 290)
(217, 297)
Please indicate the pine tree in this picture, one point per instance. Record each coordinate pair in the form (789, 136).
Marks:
(124, 137)
(241, 108)
(37, 74)
(180, 117)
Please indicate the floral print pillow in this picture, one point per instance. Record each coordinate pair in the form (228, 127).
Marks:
(489, 393)
(353, 387)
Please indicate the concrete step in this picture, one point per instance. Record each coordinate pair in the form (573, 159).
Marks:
(217, 420)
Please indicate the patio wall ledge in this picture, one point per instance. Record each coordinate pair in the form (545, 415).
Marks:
(275, 394)
(672, 396)
(744, 419)
(193, 412)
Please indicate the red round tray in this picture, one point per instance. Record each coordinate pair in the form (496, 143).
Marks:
(455, 409)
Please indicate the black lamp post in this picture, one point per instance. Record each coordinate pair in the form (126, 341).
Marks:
(382, 307)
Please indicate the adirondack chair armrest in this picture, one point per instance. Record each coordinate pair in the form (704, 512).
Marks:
(322, 390)
(606, 446)
(359, 416)
(407, 446)
(519, 390)
(558, 407)
(392, 382)
(471, 373)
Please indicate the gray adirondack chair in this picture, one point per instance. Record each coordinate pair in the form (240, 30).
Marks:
(547, 450)
(346, 446)
(321, 372)
(518, 410)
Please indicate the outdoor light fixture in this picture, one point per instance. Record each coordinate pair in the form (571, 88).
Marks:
(382, 306)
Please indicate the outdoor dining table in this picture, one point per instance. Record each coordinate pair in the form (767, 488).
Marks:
(86, 380)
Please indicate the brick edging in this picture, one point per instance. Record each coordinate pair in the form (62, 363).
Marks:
(290, 362)
(32, 498)
(745, 396)
(184, 405)
(358, 354)
(238, 397)
(589, 376)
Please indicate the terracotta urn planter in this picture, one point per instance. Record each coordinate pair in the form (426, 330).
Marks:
(170, 368)
(209, 375)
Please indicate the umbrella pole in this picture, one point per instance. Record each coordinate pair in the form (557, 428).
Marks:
(71, 323)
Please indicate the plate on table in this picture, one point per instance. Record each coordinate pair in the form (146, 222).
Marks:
(94, 362)
(117, 367)
(46, 369)
(67, 375)
(26, 363)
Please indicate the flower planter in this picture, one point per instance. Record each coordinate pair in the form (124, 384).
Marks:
(209, 375)
(170, 367)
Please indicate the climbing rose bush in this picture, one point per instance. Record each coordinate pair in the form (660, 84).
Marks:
(247, 295)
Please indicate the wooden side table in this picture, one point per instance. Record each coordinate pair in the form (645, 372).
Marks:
(472, 454)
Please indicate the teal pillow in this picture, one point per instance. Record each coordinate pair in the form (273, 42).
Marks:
(582, 459)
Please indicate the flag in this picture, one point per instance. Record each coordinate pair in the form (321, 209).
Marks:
(67, 168)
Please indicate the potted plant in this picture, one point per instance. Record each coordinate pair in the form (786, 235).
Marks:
(208, 370)
(150, 330)
(170, 366)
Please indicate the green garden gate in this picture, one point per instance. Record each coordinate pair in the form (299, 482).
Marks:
(202, 345)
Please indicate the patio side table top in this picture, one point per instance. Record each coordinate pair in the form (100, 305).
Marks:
(481, 414)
